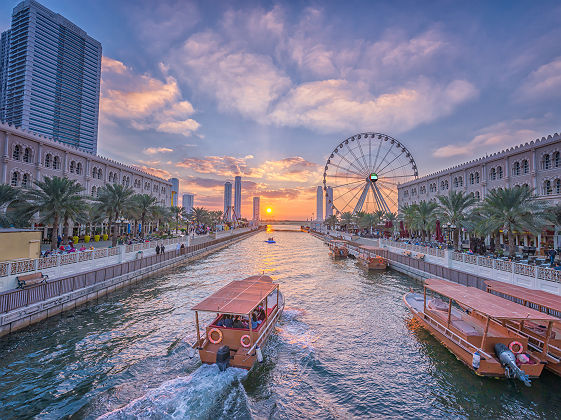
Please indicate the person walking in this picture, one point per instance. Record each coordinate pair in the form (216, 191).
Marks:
(157, 249)
(552, 254)
(163, 248)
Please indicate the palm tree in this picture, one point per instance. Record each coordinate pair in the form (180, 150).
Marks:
(116, 200)
(407, 215)
(178, 214)
(346, 220)
(8, 195)
(454, 209)
(215, 217)
(424, 216)
(391, 217)
(369, 220)
(53, 199)
(553, 215)
(199, 215)
(512, 209)
(144, 205)
(91, 216)
(331, 221)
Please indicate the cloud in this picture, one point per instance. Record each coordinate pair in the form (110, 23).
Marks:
(162, 173)
(145, 102)
(155, 150)
(218, 165)
(545, 82)
(493, 138)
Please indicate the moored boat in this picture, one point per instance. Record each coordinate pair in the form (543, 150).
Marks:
(471, 324)
(338, 249)
(543, 337)
(246, 314)
(369, 258)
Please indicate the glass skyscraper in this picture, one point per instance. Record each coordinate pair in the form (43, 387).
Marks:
(50, 76)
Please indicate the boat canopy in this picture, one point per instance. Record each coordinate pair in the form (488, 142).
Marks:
(239, 297)
(485, 303)
(538, 297)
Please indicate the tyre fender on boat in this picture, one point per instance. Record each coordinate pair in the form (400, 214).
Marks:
(212, 340)
(515, 347)
(243, 341)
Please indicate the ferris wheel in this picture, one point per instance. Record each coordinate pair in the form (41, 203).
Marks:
(363, 172)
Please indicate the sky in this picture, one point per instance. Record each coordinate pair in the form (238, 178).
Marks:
(205, 91)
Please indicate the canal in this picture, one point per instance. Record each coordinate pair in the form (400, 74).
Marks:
(346, 348)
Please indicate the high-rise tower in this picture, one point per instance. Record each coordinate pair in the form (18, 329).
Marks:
(256, 209)
(188, 202)
(329, 202)
(319, 204)
(52, 72)
(228, 201)
(238, 196)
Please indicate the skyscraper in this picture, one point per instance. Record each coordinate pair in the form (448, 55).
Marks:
(188, 202)
(238, 196)
(228, 201)
(329, 202)
(52, 72)
(174, 191)
(256, 209)
(319, 204)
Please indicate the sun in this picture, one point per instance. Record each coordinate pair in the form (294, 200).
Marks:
(269, 210)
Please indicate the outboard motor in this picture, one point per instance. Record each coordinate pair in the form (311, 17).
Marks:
(508, 360)
(223, 358)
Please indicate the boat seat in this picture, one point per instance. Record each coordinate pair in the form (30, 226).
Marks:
(466, 328)
(438, 305)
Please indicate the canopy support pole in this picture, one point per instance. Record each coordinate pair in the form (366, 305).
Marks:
(250, 329)
(547, 337)
(198, 331)
(425, 299)
(485, 333)
(449, 311)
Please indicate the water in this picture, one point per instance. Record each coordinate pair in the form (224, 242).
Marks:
(346, 348)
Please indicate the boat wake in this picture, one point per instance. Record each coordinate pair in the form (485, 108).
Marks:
(206, 393)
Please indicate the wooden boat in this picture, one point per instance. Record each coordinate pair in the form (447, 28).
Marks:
(241, 346)
(544, 337)
(471, 324)
(338, 249)
(369, 258)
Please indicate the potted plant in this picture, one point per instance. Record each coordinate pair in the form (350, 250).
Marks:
(105, 236)
(96, 238)
(87, 238)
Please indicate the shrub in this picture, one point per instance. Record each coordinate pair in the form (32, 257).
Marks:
(105, 236)
(87, 238)
(96, 238)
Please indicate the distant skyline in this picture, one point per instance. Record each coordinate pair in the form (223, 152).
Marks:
(265, 90)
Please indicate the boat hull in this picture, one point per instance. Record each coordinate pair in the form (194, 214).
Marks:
(490, 367)
(374, 264)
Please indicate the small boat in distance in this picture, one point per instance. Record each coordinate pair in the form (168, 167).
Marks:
(369, 258)
(246, 314)
(471, 324)
(543, 337)
(338, 249)
(271, 240)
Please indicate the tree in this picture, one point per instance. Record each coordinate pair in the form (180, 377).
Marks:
(53, 198)
(512, 209)
(178, 214)
(392, 218)
(115, 200)
(145, 206)
(424, 216)
(346, 220)
(454, 209)
(91, 216)
(199, 215)
(331, 221)
(407, 215)
(8, 195)
(553, 215)
(369, 220)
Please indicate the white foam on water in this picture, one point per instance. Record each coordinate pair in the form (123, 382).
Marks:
(193, 397)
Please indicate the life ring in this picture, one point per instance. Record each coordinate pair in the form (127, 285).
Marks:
(243, 342)
(516, 343)
(212, 340)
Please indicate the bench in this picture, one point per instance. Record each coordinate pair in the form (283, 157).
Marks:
(31, 279)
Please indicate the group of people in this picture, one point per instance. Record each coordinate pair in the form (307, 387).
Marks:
(160, 249)
(238, 321)
(65, 249)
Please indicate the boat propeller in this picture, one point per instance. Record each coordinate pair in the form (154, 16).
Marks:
(508, 360)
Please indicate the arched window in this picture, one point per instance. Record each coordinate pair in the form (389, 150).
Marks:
(25, 180)
(99, 173)
(477, 196)
(72, 167)
(27, 155)
(547, 188)
(56, 162)
(461, 180)
(516, 168)
(493, 174)
(48, 159)
(546, 162)
(477, 177)
(557, 159)
(94, 191)
(15, 179)
(557, 186)
(17, 152)
(471, 179)
(79, 168)
(525, 166)
(94, 172)
(500, 172)
(164, 189)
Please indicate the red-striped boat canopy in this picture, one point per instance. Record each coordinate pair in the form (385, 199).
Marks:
(537, 297)
(239, 297)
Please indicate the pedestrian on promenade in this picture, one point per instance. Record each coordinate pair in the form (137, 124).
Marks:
(551, 254)
(157, 249)
(163, 248)
(58, 241)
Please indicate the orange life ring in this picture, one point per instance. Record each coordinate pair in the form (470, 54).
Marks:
(243, 343)
(516, 343)
(212, 340)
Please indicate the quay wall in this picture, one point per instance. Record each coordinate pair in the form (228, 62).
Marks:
(23, 307)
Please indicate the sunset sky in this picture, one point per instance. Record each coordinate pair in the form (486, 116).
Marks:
(208, 90)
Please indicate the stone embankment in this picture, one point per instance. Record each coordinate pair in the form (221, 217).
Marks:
(22, 307)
